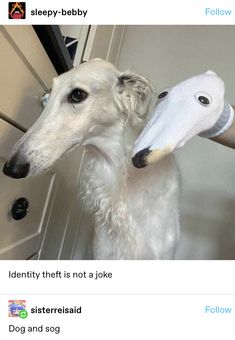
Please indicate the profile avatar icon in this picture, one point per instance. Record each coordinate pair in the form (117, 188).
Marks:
(15, 306)
(16, 10)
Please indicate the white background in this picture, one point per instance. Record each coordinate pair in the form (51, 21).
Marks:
(126, 12)
(127, 317)
(152, 299)
(129, 277)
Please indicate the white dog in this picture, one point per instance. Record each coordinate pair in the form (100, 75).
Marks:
(96, 106)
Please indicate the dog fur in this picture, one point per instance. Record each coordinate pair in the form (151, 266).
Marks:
(135, 210)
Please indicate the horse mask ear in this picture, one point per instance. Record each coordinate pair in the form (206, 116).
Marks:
(137, 94)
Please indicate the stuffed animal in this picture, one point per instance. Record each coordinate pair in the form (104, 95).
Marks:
(194, 106)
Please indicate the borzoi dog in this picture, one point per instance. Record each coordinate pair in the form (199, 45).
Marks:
(96, 106)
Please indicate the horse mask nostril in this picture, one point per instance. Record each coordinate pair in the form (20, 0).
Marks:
(140, 159)
(16, 167)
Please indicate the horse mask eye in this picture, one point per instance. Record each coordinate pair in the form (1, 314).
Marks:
(204, 99)
(77, 96)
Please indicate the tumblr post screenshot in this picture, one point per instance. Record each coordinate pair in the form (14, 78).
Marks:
(117, 170)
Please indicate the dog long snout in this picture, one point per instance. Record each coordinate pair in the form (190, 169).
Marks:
(17, 166)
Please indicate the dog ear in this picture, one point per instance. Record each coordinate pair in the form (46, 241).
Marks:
(137, 94)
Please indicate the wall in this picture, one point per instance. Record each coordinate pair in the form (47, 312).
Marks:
(167, 55)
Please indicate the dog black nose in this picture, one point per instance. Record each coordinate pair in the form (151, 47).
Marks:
(140, 159)
(16, 167)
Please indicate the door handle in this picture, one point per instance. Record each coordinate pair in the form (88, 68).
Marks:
(20, 208)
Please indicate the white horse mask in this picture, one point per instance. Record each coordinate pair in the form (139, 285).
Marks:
(182, 112)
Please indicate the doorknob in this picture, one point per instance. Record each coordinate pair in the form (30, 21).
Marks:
(20, 208)
(45, 98)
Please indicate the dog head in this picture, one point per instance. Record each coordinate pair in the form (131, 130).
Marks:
(86, 103)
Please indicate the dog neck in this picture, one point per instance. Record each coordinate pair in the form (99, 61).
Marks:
(113, 147)
(108, 170)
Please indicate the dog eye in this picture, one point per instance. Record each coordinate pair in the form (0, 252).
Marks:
(77, 96)
(204, 99)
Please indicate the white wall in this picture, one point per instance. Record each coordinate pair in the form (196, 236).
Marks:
(167, 55)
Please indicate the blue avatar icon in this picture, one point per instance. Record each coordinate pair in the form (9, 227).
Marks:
(14, 308)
